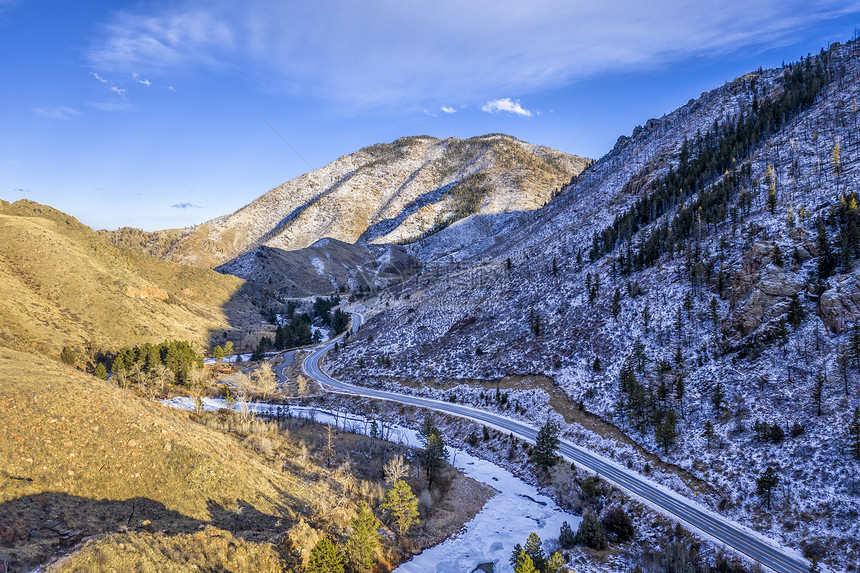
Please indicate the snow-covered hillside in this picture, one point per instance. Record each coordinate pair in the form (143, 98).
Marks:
(664, 278)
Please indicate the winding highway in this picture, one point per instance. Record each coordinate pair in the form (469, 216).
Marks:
(713, 525)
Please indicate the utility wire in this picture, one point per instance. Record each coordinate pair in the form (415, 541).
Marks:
(285, 141)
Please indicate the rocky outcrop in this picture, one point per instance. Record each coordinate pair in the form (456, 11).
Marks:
(839, 305)
(761, 291)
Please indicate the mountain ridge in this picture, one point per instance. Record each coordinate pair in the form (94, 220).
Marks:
(384, 193)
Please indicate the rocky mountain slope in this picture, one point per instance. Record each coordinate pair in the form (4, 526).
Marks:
(698, 287)
(385, 193)
(327, 266)
(63, 285)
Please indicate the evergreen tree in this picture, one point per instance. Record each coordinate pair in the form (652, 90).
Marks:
(590, 533)
(666, 432)
(228, 350)
(524, 564)
(403, 505)
(515, 555)
(709, 432)
(615, 309)
(362, 543)
(795, 311)
(766, 482)
(325, 558)
(818, 391)
(718, 397)
(101, 372)
(543, 453)
(566, 537)
(434, 455)
(854, 434)
(826, 257)
(534, 550)
(555, 564)
(218, 354)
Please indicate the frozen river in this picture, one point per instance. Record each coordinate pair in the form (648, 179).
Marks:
(505, 520)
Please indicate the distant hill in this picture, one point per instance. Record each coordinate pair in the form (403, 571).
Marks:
(386, 193)
(327, 266)
(64, 285)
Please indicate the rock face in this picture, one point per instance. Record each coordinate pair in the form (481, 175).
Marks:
(761, 291)
(839, 306)
(386, 193)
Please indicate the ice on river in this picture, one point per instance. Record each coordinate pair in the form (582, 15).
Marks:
(506, 519)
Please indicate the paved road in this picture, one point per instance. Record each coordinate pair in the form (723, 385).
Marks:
(720, 528)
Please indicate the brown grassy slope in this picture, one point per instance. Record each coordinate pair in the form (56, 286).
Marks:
(209, 550)
(64, 285)
(79, 456)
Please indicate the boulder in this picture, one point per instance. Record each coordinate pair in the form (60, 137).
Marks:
(839, 306)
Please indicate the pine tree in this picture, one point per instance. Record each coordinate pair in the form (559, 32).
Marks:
(826, 257)
(325, 558)
(555, 564)
(534, 550)
(766, 482)
(854, 434)
(718, 396)
(524, 564)
(515, 555)
(218, 353)
(362, 543)
(795, 311)
(616, 303)
(101, 372)
(666, 432)
(543, 454)
(818, 391)
(403, 505)
(709, 432)
(434, 455)
(590, 533)
(566, 536)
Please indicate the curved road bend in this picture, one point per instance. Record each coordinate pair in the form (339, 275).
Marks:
(676, 506)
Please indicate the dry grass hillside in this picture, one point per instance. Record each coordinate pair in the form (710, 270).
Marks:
(82, 457)
(117, 483)
(385, 193)
(64, 285)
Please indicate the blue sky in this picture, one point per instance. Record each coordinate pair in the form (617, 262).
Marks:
(161, 114)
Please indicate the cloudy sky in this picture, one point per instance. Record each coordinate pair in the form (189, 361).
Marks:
(167, 113)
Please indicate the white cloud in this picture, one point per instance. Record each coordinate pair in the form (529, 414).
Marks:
(448, 109)
(382, 52)
(99, 78)
(62, 113)
(136, 77)
(507, 105)
(118, 91)
(112, 106)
